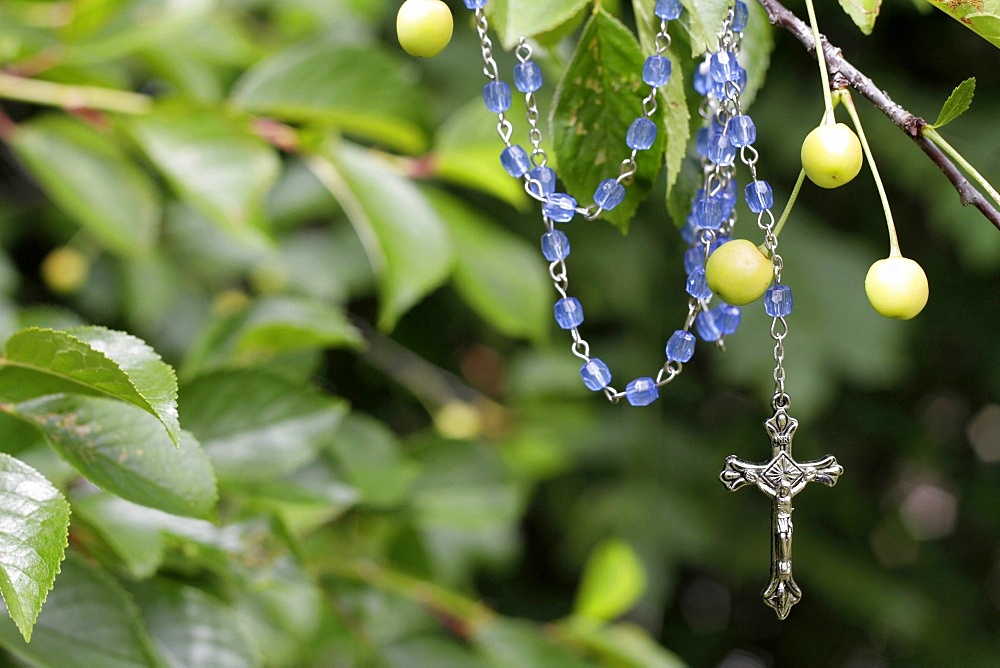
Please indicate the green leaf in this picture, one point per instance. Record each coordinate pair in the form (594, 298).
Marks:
(276, 325)
(516, 18)
(980, 16)
(755, 54)
(92, 179)
(91, 360)
(862, 12)
(144, 537)
(598, 97)
(124, 450)
(613, 580)
(405, 239)
(621, 644)
(35, 520)
(213, 161)
(270, 327)
(703, 19)
(464, 487)
(497, 273)
(125, 527)
(256, 425)
(673, 110)
(280, 606)
(372, 460)
(957, 103)
(514, 642)
(467, 150)
(89, 620)
(427, 649)
(359, 89)
(191, 628)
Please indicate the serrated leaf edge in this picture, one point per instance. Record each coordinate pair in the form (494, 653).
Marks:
(943, 119)
(26, 632)
(148, 407)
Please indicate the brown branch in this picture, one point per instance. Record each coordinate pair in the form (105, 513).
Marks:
(843, 73)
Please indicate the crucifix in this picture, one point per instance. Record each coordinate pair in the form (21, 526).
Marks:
(780, 478)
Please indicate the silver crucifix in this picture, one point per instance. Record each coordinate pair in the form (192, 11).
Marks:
(780, 478)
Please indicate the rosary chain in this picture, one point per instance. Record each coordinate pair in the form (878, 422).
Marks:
(719, 108)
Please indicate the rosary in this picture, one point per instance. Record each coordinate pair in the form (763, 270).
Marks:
(727, 133)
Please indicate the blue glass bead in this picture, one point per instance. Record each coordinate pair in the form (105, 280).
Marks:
(694, 258)
(727, 198)
(555, 246)
(701, 141)
(497, 96)
(656, 71)
(546, 179)
(596, 375)
(708, 326)
(609, 194)
(720, 150)
(515, 160)
(559, 207)
(697, 286)
(569, 312)
(641, 134)
(642, 391)
(778, 301)
(668, 10)
(527, 77)
(740, 16)
(680, 346)
(703, 78)
(728, 317)
(688, 229)
(475, 4)
(742, 131)
(759, 196)
(708, 213)
(724, 67)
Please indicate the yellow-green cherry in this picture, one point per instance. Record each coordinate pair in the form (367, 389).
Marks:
(897, 287)
(738, 272)
(831, 155)
(424, 27)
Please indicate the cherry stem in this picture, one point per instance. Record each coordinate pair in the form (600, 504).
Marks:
(787, 210)
(844, 96)
(845, 72)
(931, 133)
(824, 74)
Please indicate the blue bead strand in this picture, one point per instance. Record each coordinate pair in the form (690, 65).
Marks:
(529, 163)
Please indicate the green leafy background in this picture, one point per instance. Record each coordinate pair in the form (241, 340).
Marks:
(343, 428)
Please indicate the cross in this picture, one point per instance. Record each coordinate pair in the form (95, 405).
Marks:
(780, 478)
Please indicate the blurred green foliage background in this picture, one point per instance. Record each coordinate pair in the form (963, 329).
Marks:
(293, 212)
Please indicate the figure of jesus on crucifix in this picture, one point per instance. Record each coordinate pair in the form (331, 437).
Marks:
(780, 478)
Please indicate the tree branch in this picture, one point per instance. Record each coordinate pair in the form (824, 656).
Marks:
(843, 74)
